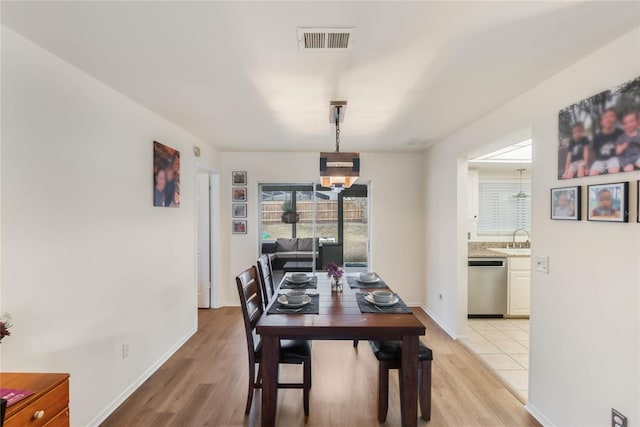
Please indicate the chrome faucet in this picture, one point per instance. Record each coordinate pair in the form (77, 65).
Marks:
(527, 243)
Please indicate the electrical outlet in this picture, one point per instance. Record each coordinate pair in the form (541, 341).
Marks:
(617, 419)
(542, 264)
(125, 351)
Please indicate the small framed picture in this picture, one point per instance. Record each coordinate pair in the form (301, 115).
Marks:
(239, 210)
(566, 203)
(239, 178)
(609, 202)
(239, 194)
(239, 227)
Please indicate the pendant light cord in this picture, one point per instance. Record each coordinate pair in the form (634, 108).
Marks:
(338, 129)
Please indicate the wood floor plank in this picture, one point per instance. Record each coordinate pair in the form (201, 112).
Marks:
(205, 382)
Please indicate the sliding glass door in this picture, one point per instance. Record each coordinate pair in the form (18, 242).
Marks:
(339, 221)
(355, 220)
(343, 226)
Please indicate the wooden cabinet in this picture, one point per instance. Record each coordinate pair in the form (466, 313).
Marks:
(47, 406)
(519, 286)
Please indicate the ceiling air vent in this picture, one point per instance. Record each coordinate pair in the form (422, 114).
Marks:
(325, 38)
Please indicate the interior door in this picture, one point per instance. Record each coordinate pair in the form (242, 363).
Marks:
(204, 241)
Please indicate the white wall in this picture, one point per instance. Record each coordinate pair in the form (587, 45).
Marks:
(585, 325)
(396, 213)
(87, 262)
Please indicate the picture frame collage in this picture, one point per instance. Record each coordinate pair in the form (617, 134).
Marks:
(606, 202)
(239, 199)
(599, 136)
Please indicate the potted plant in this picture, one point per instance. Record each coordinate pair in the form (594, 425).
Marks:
(5, 324)
(289, 216)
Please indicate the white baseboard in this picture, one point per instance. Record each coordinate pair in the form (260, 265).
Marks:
(138, 382)
(230, 304)
(535, 413)
(441, 324)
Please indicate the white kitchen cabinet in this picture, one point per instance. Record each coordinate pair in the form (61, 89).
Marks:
(519, 286)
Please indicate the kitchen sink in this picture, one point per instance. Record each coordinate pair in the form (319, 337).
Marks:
(512, 251)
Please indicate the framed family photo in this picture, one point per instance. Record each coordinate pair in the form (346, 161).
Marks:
(566, 203)
(601, 134)
(239, 178)
(166, 176)
(608, 202)
(239, 210)
(239, 227)
(239, 194)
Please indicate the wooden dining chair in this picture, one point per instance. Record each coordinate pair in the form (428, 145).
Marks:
(389, 355)
(266, 279)
(291, 351)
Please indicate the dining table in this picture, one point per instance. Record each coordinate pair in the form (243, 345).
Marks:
(339, 318)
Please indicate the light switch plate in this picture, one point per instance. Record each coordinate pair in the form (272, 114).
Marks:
(542, 264)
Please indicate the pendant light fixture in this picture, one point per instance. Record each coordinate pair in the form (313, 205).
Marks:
(521, 194)
(338, 170)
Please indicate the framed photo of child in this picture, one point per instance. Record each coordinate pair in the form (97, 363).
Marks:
(608, 202)
(239, 227)
(566, 203)
(239, 194)
(239, 210)
(601, 134)
(239, 178)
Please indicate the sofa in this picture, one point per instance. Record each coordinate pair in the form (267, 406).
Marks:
(282, 251)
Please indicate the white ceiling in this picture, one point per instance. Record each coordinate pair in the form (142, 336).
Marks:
(232, 74)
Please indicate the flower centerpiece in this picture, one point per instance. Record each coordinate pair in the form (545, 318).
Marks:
(335, 273)
(5, 324)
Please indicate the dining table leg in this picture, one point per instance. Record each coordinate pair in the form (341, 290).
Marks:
(270, 356)
(409, 381)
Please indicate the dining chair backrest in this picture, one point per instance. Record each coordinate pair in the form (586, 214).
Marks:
(251, 303)
(266, 278)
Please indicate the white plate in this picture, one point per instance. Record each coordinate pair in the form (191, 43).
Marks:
(394, 301)
(298, 282)
(282, 299)
(359, 279)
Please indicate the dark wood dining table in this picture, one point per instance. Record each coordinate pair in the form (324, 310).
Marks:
(340, 319)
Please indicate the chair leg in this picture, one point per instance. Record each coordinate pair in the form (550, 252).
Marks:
(259, 379)
(252, 372)
(424, 381)
(306, 366)
(355, 343)
(383, 391)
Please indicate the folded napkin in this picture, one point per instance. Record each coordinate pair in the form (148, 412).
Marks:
(355, 284)
(367, 307)
(312, 308)
(313, 284)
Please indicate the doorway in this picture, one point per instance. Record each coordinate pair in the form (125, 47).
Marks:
(207, 252)
(498, 234)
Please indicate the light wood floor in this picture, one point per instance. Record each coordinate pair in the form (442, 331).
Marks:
(205, 383)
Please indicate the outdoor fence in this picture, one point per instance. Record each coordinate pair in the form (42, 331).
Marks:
(326, 211)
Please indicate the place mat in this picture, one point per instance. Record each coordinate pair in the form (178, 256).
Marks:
(12, 395)
(313, 284)
(312, 308)
(355, 284)
(366, 307)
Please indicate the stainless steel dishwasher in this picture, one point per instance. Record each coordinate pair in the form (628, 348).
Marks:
(487, 287)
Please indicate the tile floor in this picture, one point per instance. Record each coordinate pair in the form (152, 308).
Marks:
(504, 345)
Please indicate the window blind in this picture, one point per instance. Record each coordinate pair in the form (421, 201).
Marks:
(501, 213)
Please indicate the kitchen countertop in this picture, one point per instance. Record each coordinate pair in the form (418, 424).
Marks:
(486, 253)
(481, 250)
